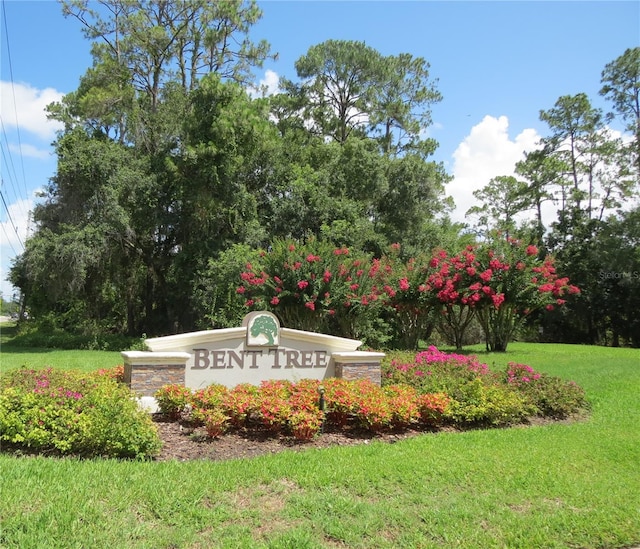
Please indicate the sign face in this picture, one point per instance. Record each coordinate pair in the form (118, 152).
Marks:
(257, 351)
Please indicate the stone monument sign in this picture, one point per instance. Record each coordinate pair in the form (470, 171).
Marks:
(258, 350)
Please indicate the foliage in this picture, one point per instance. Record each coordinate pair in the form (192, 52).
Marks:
(550, 396)
(47, 332)
(519, 284)
(116, 373)
(211, 396)
(620, 80)
(481, 402)
(215, 421)
(468, 392)
(69, 412)
(241, 403)
(313, 286)
(172, 399)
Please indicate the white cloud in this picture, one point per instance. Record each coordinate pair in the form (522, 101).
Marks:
(23, 106)
(31, 151)
(271, 82)
(485, 153)
(269, 85)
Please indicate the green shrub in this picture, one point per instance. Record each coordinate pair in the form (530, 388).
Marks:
(480, 402)
(46, 334)
(73, 413)
(550, 396)
(116, 426)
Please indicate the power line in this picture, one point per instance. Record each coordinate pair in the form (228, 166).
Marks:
(12, 176)
(13, 91)
(11, 220)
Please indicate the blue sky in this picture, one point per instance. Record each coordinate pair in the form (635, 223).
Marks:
(497, 64)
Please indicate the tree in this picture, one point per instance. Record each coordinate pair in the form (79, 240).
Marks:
(349, 89)
(621, 85)
(402, 105)
(150, 38)
(541, 171)
(502, 199)
(338, 82)
(513, 283)
(597, 179)
(575, 124)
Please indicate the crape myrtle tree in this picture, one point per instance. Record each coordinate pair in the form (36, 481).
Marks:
(314, 285)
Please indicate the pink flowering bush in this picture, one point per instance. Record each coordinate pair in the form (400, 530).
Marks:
(476, 395)
(433, 371)
(518, 284)
(500, 283)
(550, 396)
(311, 286)
(405, 292)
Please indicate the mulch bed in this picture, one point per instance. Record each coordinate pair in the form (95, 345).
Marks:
(184, 443)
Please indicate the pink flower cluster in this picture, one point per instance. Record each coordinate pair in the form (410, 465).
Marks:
(433, 356)
(521, 373)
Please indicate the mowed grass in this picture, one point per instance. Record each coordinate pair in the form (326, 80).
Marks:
(562, 485)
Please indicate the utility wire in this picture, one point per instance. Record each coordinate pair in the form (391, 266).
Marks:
(15, 110)
(11, 219)
(12, 176)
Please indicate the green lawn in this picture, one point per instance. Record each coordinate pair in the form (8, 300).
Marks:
(555, 486)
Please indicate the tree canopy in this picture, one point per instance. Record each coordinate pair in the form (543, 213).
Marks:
(170, 173)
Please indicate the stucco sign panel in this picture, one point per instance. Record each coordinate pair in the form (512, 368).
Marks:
(258, 350)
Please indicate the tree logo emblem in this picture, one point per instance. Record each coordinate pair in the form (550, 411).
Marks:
(263, 329)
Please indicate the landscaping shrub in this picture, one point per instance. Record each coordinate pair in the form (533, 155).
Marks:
(549, 395)
(274, 407)
(340, 400)
(478, 395)
(172, 399)
(404, 405)
(240, 403)
(215, 421)
(212, 396)
(432, 407)
(74, 413)
(372, 409)
(433, 371)
(479, 402)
